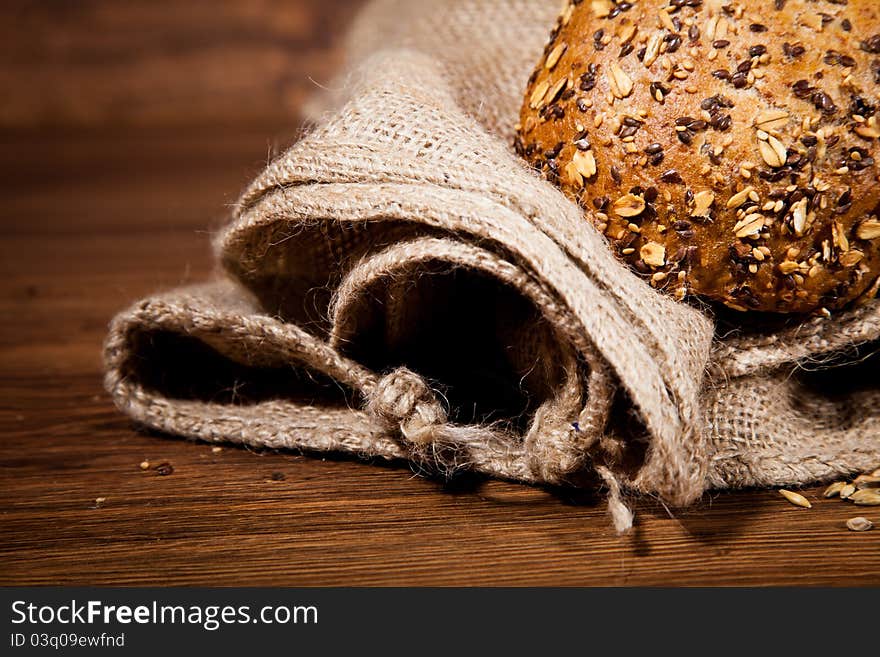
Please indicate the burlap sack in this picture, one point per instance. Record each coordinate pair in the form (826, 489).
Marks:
(400, 285)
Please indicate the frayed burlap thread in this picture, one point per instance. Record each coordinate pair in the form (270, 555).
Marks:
(438, 302)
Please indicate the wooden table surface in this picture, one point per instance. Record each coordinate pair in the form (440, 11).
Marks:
(130, 130)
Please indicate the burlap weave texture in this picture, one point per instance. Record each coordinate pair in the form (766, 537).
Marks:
(398, 284)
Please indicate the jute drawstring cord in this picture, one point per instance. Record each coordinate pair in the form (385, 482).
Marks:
(405, 401)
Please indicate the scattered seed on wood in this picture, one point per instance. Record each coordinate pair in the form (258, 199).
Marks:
(164, 469)
(834, 489)
(859, 524)
(145, 465)
(795, 498)
(866, 497)
(866, 481)
(846, 491)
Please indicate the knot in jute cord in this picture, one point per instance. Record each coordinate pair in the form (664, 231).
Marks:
(403, 398)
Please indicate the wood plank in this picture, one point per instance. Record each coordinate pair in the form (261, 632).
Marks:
(146, 62)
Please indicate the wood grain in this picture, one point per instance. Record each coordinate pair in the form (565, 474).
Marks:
(148, 62)
(97, 213)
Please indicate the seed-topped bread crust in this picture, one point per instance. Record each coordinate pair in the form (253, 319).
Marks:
(726, 148)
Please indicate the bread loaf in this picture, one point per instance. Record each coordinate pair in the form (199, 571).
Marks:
(726, 148)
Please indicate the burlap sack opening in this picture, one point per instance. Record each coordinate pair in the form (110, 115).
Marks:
(847, 383)
(498, 366)
(204, 362)
(179, 366)
(797, 411)
(746, 345)
(387, 294)
(477, 325)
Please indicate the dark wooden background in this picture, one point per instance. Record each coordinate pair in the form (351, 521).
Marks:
(127, 129)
